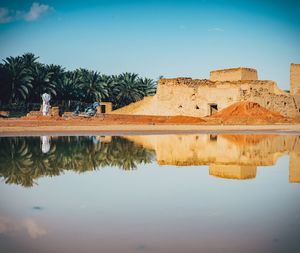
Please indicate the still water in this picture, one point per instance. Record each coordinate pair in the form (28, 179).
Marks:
(154, 193)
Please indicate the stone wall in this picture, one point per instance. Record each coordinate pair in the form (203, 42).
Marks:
(267, 94)
(295, 79)
(194, 97)
(233, 74)
(197, 97)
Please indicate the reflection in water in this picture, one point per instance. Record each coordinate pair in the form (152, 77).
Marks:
(23, 160)
(45, 144)
(228, 156)
(157, 209)
(10, 226)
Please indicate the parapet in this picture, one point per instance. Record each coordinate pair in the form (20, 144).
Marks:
(186, 81)
(233, 74)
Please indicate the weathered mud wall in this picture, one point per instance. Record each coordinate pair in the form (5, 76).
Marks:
(270, 97)
(295, 79)
(185, 96)
(234, 74)
(199, 98)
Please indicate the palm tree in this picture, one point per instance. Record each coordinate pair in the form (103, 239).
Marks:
(68, 88)
(29, 60)
(148, 86)
(42, 82)
(92, 86)
(58, 73)
(16, 79)
(127, 89)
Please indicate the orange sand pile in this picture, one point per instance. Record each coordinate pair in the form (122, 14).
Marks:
(248, 112)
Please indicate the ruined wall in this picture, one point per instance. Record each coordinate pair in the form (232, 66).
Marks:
(234, 74)
(193, 97)
(185, 96)
(268, 95)
(295, 79)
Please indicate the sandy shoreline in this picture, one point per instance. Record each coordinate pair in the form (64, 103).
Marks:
(123, 129)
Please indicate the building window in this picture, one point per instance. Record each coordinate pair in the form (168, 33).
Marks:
(213, 108)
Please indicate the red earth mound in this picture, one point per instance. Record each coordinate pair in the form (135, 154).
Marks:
(248, 111)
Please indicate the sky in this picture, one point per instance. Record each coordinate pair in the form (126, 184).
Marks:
(153, 38)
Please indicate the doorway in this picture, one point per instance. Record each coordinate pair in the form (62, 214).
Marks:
(103, 108)
(213, 108)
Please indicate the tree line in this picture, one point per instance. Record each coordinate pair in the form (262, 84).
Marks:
(23, 79)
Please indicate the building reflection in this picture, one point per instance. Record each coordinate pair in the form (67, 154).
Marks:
(228, 156)
(25, 159)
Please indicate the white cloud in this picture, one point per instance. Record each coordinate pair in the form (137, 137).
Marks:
(35, 12)
(216, 29)
(5, 16)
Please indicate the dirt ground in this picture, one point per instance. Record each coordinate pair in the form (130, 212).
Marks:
(243, 114)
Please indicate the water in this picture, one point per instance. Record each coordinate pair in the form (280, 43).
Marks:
(165, 193)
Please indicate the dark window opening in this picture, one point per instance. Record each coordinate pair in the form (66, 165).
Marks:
(284, 103)
(213, 137)
(180, 106)
(103, 109)
(197, 107)
(213, 108)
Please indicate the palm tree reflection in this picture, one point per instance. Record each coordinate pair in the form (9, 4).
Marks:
(23, 160)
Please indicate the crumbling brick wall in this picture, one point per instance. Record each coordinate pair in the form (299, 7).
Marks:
(197, 97)
(264, 93)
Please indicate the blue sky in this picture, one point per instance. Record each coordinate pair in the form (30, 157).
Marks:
(152, 38)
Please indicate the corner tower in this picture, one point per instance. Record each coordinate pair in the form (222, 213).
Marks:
(295, 79)
(234, 74)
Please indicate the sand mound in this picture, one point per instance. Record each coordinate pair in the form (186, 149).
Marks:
(136, 107)
(248, 111)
